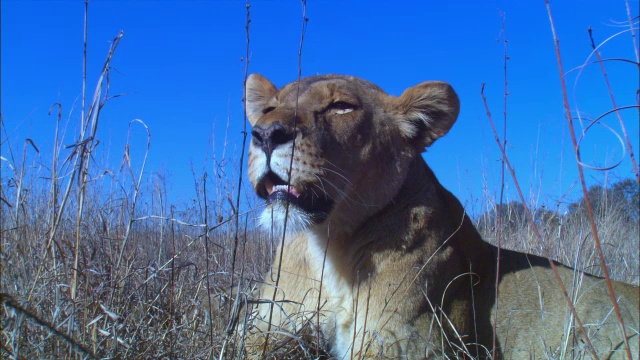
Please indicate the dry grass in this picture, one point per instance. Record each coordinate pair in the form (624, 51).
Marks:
(567, 238)
(97, 264)
(167, 299)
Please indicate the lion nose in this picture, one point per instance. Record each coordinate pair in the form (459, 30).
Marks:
(272, 137)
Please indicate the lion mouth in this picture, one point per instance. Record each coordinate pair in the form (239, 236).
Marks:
(273, 189)
(274, 186)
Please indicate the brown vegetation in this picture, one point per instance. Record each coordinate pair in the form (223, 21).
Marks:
(97, 264)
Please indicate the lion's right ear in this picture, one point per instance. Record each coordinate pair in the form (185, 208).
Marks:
(258, 91)
(427, 111)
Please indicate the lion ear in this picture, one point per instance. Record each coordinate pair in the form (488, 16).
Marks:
(258, 91)
(427, 111)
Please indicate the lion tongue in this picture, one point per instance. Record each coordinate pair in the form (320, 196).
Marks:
(273, 188)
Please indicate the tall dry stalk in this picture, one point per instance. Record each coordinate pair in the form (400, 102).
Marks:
(293, 147)
(576, 148)
(234, 311)
(137, 186)
(502, 169)
(616, 109)
(534, 226)
(84, 147)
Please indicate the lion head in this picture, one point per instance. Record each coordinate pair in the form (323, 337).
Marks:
(337, 147)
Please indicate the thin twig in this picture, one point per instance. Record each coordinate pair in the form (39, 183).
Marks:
(293, 147)
(533, 225)
(172, 290)
(615, 105)
(206, 251)
(11, 302)
(137, 188)
(236, 239)
(596, 239)
(233, 310)
(502, 167)
(633, 31)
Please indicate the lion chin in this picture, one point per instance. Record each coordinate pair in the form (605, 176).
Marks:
(379, 260)
(281, 217)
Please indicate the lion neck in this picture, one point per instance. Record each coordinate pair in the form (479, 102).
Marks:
(404, 221)
(422, 214)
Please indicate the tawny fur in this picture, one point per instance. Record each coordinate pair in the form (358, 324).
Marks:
(395, 268)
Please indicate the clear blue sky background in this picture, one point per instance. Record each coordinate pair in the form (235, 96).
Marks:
(179, 66)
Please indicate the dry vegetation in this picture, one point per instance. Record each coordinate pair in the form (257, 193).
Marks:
(567, 237)
(170, 296)
(98, 264)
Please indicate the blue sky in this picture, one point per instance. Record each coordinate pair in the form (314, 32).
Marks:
(179, 65)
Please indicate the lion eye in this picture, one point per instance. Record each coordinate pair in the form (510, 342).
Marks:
(341, 107)
(268, 110)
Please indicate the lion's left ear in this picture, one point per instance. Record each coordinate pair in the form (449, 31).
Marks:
(427, 111)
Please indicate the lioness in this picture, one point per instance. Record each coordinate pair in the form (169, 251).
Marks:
(383, 257)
